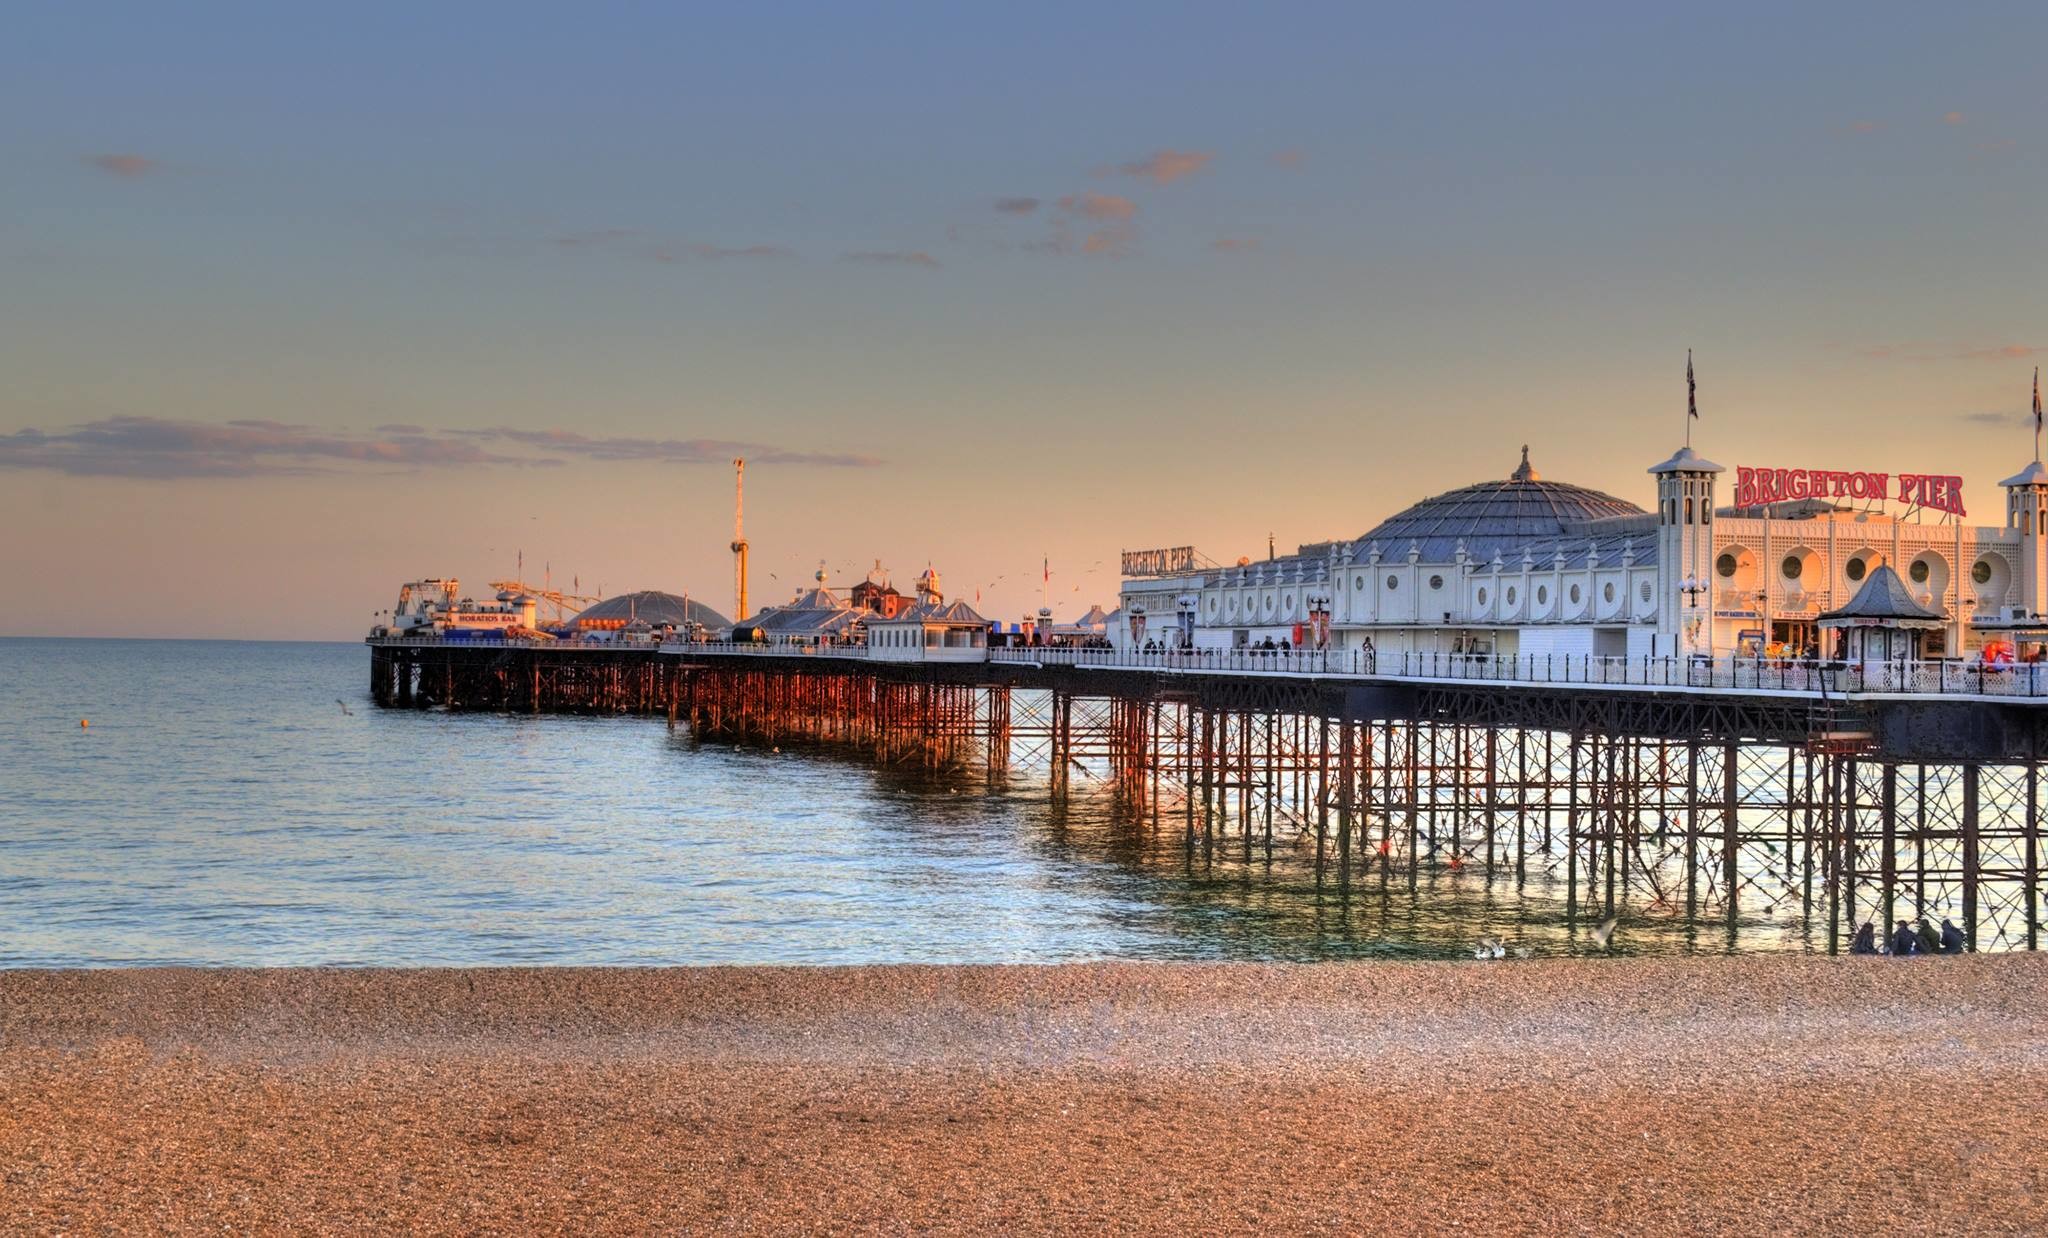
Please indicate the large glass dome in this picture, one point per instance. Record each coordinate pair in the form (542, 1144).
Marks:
(1493, 515)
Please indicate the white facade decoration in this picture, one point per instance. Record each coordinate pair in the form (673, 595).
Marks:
(1526, 567)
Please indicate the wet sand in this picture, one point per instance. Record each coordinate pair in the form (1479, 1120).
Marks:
(1683, 1096)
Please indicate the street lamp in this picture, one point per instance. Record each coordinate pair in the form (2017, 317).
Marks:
(1319, 618)
(1187, 602)
(1693, 588)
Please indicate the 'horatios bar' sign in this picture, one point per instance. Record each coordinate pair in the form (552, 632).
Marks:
(1755, 487)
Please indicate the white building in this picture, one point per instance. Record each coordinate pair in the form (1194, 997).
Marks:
(1526, 566)
(932, 630)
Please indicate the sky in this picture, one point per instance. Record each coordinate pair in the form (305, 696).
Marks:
(298, 305)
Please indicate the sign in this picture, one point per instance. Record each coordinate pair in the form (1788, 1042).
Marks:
(1169, 562)
(1940, 492)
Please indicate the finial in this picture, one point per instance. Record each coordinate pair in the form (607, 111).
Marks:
(1523, 472)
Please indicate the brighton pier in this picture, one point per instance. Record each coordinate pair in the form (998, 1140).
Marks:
(1611, 700)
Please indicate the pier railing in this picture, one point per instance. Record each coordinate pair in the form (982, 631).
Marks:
(1931, 678)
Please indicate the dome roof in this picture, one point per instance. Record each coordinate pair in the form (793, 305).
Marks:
(656, 608)
(1492, 516)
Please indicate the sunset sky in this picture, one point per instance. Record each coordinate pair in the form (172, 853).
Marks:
(293, 310)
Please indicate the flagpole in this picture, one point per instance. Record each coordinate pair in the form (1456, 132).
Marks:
(2037, 414)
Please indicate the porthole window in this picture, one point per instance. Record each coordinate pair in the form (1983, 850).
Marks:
(1511, 595)
(1919, 571)
(1856, 569)
(1393, 582)
(1792, 567)
(1607, 593)
(1359, 584)
(1575, 595)
(1646, 591)
(1436, 582)
(1482, 597)
(1542, 594)
(1981, 573)
(1724, 567)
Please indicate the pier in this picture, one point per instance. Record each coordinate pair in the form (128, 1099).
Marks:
(1712, 791)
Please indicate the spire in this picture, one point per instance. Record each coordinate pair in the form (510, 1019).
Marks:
(1522, 471)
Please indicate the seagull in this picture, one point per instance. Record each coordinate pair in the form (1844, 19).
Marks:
(1605, 933)
(1524, 952)
(1490, 948)
(344, 706)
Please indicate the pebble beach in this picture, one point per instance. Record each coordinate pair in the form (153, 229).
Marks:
(1734, 1095)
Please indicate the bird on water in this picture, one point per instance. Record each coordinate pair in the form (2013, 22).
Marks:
(1605, 933)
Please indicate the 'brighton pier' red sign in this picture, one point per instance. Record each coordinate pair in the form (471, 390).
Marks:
(1755, 487)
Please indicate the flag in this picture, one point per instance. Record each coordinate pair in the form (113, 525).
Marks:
(1692, 389)
(2037, 399)
(1048, 571)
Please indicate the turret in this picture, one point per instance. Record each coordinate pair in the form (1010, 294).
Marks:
(1685, 553)
(2026, 510)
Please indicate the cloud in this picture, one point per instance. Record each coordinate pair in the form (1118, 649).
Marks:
(1112, 241)
(1016, 206)
(2002, 352)
(169, 449)
(1292, 157)
(1098, 206)
(1864, 126)
(1990, 419)
(713, 253)
(1234, 244)
(1162, 167)
(1932, 352)
(1954, 118)
(898, 257)
(125, 165)
(595, 237)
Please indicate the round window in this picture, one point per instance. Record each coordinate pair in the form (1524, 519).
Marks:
(1482, 597)
(1393, 582)
(1511, 595)
(1646, 591)
(1856, 569)
(1792, 567)
(1436, 582)
(1358, 583)
(1919, 571)
(1575, 595)
(1290, 603)
(1981, 572)
(1542, 594)
(1607, 592)
(1724, 566)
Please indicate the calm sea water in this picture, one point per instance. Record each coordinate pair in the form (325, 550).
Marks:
(243, 803)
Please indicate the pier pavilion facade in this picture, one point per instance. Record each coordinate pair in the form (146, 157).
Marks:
(1527, 566)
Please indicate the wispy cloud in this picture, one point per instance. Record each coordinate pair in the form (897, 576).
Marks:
(1112, 241)
(1017, 206)
(170, 449)
(1099, 206)
(714, 253)
(2002, 352)
(897, 257)
(1935, 352)
(125, 165)
(1234, 244)
(1292, 157)
(1162, 167)
(1991, 419)
(1864, 126)
(1954, 118)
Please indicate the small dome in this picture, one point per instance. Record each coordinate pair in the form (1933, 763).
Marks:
(1492, 515)
(655, 607)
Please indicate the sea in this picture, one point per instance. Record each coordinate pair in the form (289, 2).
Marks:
(245, 804)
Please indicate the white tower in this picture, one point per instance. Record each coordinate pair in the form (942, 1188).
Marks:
(1685, 553)
(2026, 509)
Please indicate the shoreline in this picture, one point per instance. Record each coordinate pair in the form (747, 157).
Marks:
(1659, 1095)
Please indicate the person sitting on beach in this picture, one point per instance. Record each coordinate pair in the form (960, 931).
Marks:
(1930, 941)
(1865, 941)
(1952, 939)
(1904, 940)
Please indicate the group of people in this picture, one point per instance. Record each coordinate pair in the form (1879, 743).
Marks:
(1906, 939)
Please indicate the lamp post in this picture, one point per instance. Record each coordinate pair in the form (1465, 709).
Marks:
(1692, 588)
(1187, 602)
